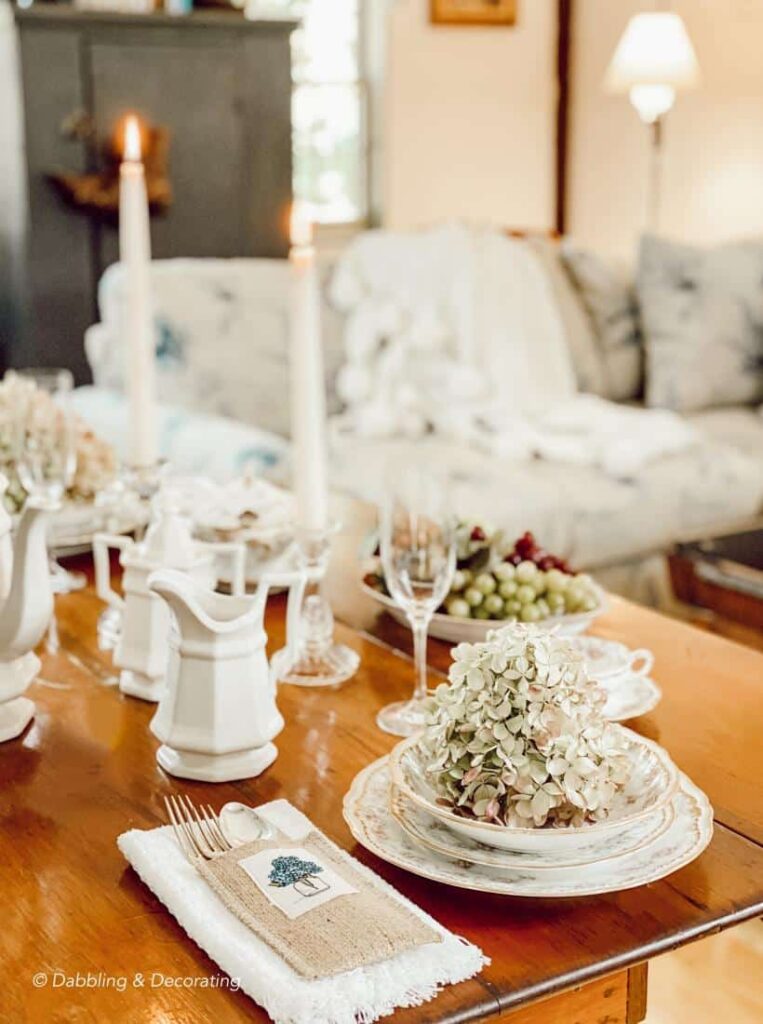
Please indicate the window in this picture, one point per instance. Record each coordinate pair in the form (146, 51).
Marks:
(328, 110)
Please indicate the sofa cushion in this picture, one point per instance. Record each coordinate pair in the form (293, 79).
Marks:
(590, 370)
(610, 300)
(578, 511)
(193, 443)
(702, 314)
(221, 329)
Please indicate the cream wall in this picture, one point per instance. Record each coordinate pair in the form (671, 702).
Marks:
(713, 163)
(468, 120)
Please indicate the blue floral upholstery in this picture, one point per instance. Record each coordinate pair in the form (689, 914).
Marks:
(192, 442)
(221, 329)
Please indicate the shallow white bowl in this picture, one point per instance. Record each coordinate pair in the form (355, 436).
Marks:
(653, 781)
(457, 630)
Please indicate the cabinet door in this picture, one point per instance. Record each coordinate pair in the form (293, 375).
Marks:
(58, 300)
(193, 88)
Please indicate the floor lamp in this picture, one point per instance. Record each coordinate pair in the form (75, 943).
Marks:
(653, 60)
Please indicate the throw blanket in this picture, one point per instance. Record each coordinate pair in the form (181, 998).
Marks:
(456, 332)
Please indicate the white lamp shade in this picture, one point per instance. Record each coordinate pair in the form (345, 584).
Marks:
(655, 49)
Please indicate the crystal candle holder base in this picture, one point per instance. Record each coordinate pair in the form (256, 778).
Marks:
(311, 657)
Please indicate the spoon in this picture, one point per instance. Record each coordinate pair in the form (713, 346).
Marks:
(241, 824)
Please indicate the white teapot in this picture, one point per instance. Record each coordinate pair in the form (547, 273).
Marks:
(141, 651)
(26, 605)
(218, 716)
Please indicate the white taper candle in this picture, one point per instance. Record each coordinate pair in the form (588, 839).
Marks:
(308, 387)
(138, 341)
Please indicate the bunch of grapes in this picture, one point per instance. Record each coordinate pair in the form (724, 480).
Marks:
(520, 593)
(523, 584)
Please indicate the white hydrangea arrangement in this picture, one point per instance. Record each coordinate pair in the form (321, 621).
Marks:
(517, 736)
(95, 460)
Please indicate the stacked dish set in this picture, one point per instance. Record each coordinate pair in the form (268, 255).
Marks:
(553, 814)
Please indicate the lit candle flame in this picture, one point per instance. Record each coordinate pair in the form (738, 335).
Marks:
(301, 228)
(132, 150)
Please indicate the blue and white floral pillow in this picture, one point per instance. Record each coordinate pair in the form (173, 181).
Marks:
(610, 300)
(702, 315)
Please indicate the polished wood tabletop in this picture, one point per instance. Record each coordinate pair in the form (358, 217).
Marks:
(85, 771)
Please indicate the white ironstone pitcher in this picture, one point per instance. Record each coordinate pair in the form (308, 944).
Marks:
(26, 605)
(218, 716)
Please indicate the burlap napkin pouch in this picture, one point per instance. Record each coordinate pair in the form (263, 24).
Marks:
(312, 906)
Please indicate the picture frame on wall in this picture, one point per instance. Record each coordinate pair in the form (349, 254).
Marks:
(473, 12)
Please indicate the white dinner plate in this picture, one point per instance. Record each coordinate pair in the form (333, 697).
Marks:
(428, 831)
(369, 818)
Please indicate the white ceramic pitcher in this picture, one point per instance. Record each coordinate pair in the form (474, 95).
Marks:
(141, 651)
(25, 613)
(218, 716)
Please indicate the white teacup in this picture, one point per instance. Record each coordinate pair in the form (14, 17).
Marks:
(608, 658)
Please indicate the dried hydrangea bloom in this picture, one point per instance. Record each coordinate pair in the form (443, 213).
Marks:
(95, 460)
(517, 736)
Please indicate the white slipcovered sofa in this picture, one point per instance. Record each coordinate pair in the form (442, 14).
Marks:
(221, 328)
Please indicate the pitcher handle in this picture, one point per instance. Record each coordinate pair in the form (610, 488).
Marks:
(102, 543)
(236, 551)
(296, 582)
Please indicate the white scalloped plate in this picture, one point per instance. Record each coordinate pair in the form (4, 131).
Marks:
(428, 831)
(368, 816)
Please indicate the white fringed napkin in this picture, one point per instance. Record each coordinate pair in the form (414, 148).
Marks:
(355, 997)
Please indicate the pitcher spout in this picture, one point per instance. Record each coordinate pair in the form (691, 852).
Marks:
(197, 608)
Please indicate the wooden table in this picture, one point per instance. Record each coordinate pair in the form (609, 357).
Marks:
(84, 771)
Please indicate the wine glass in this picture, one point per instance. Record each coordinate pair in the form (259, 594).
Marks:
(418, 551)
(46, 457)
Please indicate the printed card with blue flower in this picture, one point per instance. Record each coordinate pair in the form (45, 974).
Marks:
(295, 880)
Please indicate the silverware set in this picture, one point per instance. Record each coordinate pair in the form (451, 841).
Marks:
(198, 832)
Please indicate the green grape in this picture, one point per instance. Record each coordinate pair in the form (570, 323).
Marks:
(555, 601)
(529, 613)
(473, 596)
(494, 604)
(511, 618)
(459, 581)
(505, 571)
(507, 589)
(543, 607)
(526, 572)
(590, 604)
(525, 594)
(481, 613)
(556, 580)
(512, 607)
(540, 582)
(458, 607)
(485, 582)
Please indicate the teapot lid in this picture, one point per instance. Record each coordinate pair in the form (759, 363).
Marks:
(168, 541)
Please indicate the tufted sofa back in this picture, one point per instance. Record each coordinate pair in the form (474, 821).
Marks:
(221, 330)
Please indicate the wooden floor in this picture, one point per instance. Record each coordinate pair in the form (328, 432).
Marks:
(713, 981)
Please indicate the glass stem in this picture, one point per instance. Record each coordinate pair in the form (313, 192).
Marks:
(419, 628)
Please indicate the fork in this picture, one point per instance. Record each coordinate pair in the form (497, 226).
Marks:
(199, 835)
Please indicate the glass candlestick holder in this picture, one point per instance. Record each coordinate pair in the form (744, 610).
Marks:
(311, 656)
